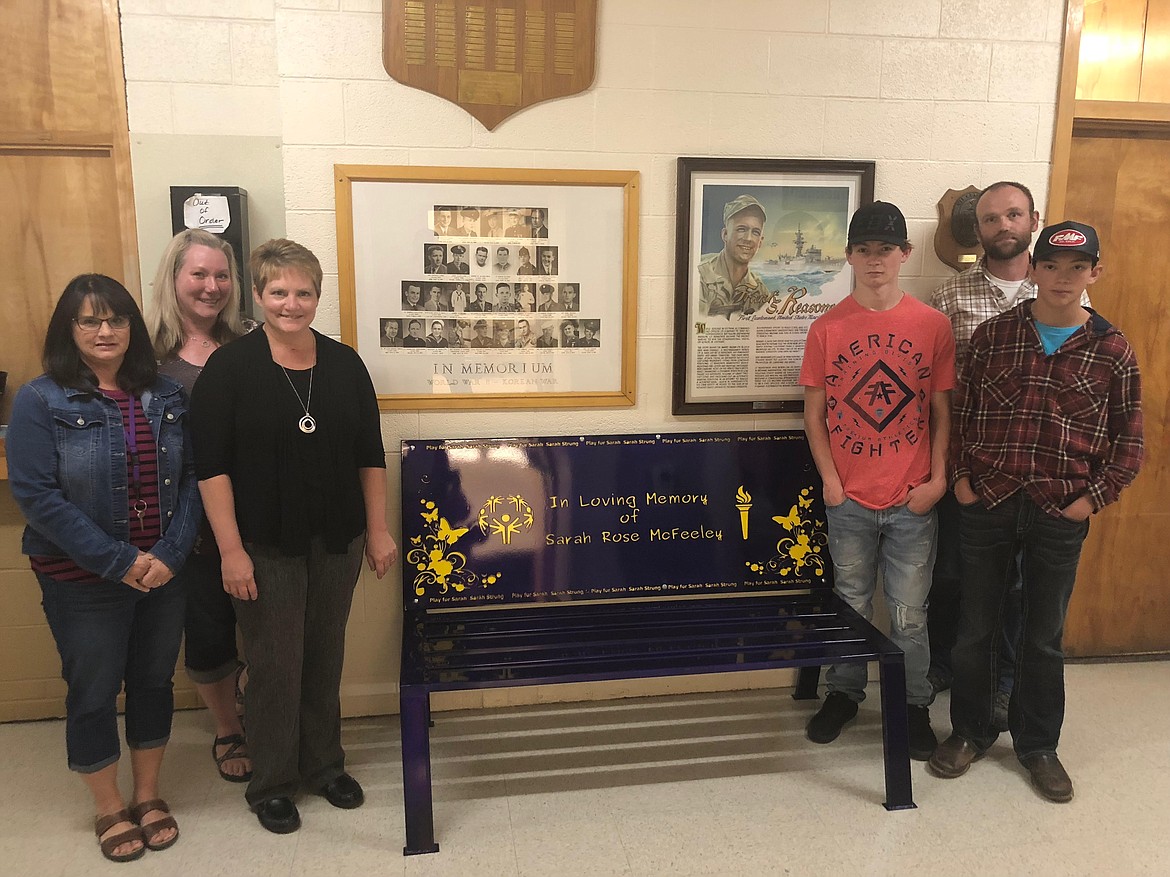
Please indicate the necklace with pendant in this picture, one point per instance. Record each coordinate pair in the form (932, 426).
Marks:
(306, 424)
(205, 342)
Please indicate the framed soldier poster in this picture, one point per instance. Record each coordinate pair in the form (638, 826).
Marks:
(760, 254)
(490, 288)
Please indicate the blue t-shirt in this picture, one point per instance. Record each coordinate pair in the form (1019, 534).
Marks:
(1053, 336)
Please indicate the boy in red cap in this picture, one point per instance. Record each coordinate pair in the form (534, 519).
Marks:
(1048, 431)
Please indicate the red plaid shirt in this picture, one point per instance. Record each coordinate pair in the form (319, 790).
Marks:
(1059, 427)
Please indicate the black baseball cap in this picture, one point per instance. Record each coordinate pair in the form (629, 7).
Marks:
(879, 221)
(1067, 237)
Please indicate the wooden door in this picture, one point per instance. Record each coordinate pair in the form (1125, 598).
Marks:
(1117, 183)
(64, 167)
(68, 209)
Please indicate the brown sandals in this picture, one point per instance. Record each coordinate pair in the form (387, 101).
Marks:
(151, 830)
(102, 824)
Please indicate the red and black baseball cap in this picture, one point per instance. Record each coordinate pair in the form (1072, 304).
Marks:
(1067, 237)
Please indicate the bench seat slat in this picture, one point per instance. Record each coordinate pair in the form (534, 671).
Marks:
(557, 626)
(737, 606)
(531, 625)
(599, 668)
(647, 627)
(448, 654)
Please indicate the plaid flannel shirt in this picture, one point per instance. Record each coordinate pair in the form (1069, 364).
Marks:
(969, 299)
(1060, 426)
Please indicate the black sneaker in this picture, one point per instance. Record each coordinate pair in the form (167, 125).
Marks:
(826, 725)
(922, 739)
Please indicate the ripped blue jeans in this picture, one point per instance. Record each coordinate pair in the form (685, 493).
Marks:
(902, 544)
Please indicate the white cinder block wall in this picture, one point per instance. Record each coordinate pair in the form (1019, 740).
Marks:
(941, 93)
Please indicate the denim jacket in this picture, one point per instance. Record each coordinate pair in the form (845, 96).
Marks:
(67, 472)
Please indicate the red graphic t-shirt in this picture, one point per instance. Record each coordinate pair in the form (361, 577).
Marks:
(878, 370)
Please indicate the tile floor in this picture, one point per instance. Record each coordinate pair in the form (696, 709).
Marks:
(700, 784)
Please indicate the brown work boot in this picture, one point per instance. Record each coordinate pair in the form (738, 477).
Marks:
(952, 757)
(1049, 777)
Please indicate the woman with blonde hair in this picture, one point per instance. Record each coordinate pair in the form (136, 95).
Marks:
(189, 317)
(195, 311)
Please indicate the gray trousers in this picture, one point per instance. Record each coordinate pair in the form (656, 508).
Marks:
(294, 637)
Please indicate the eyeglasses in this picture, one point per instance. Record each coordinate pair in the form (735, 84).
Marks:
(94, 324)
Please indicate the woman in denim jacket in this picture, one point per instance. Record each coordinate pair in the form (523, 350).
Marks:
(100, 465)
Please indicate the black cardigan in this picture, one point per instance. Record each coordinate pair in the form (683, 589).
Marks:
(288, 486)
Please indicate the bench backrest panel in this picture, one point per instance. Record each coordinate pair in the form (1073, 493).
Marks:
(489, 522)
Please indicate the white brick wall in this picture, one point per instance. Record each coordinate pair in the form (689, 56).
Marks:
(824, 65)
(941, 93)
(1025, 20)
(189, 73)
(906, 18)
(911, 69)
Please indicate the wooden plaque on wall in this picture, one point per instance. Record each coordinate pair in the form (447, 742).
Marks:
(955, 241)
(491, 57)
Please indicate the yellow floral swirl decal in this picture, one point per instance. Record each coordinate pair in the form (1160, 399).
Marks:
(440, 567)
(801, 545)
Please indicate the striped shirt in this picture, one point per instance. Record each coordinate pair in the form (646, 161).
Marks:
(1060, 426)
(143, 494)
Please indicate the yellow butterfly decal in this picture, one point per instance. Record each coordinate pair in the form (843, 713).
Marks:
(449, 534)
(431, 516)
(789, 521)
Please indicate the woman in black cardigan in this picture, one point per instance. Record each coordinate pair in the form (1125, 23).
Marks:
(291, 468)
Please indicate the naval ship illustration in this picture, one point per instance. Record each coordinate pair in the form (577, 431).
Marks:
(804, 261)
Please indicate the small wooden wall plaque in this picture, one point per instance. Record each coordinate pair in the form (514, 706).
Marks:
(491, 57)
(955, 241)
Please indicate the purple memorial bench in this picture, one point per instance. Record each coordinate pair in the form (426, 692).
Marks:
(531, 561)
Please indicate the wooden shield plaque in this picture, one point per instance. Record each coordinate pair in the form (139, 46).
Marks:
(491, 57)
(955, 241)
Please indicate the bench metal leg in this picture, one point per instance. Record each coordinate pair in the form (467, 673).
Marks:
(895, 733)
(806, 683)
(414, 718)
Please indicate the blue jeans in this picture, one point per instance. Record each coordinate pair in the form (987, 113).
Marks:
(1050, 549)
(108, 633)
(902, 544)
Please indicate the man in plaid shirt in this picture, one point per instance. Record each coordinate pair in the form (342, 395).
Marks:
(1048, 430)
(1005, 220)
